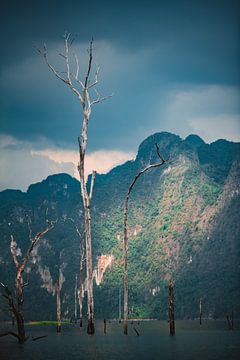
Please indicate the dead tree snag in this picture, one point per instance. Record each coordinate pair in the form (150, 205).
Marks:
(125, 234)
(171, 308)
(16, 302)
(82, 89)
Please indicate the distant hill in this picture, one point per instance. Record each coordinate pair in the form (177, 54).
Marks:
(183, 223)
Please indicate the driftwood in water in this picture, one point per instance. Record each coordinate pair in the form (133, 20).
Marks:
(171, 308)
(136, 331)
(39, 337)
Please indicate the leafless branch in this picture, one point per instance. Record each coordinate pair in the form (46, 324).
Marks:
(89, 64)
(9, 333)
(147, 168)
(35, 240)
(77, 72)
(67, 81)
(96, 78)
(92, 184)
(99, 98)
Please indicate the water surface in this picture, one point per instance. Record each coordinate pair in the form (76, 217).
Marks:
(211, 341)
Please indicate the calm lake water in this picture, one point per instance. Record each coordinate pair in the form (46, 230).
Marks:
(211, 341)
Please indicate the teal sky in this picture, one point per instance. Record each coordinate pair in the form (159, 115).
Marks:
(172, 66)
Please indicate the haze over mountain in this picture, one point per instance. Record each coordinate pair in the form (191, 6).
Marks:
(183, 223)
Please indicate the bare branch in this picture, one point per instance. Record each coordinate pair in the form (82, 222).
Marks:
(159, 155)
(147, 168)
(57, 73)
(66, 58)
(35, 240)
(77, 72)
(96, 78)
(10, 333)
(12, 250)
(89, 64)
(99, 98)
(92, 184)
(8, 296)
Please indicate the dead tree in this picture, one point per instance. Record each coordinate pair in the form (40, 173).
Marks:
(125, 234)
(58, 296)
(119, 306)
(75, 300)
(200, 311)
(171, 308)
(16, 301)
(82, 89)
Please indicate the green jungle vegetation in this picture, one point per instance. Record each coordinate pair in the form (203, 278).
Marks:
(183, 224)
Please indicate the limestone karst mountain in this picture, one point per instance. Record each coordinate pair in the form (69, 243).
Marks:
(183, 223)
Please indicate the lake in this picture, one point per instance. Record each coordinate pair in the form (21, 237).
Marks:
(211, 341)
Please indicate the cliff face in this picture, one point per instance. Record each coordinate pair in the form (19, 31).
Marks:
(183, 223)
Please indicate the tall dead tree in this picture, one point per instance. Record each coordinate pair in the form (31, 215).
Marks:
(171, 308)
(58, 300)
(75, 300)
(16, 301)
(82, 89)
(119, 306)
(200, 311)
(125, 234)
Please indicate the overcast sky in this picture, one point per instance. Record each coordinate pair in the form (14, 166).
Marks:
(172, 66)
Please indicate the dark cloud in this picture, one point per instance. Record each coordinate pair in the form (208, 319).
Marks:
(145, 48)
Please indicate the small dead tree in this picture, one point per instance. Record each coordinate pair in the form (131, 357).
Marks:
(75, 300)
(200, 311)
(171, 308)
(82, 89)
(16, 301)
(125, 234)
(58, 287)
(58, 296)
(119, 306)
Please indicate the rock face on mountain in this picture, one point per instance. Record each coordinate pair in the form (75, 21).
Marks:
(183, 224)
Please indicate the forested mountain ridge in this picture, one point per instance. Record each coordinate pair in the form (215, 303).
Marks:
(183, 223)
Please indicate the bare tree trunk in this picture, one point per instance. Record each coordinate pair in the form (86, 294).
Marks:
(90, 327)
(58, 295)
(171, 308)
(75, 300)
(119, 306)
(125, 324)
(81, 282)
(83, 96)
(105, 326)
(20, 301)
(200, 311)
(125, 236)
